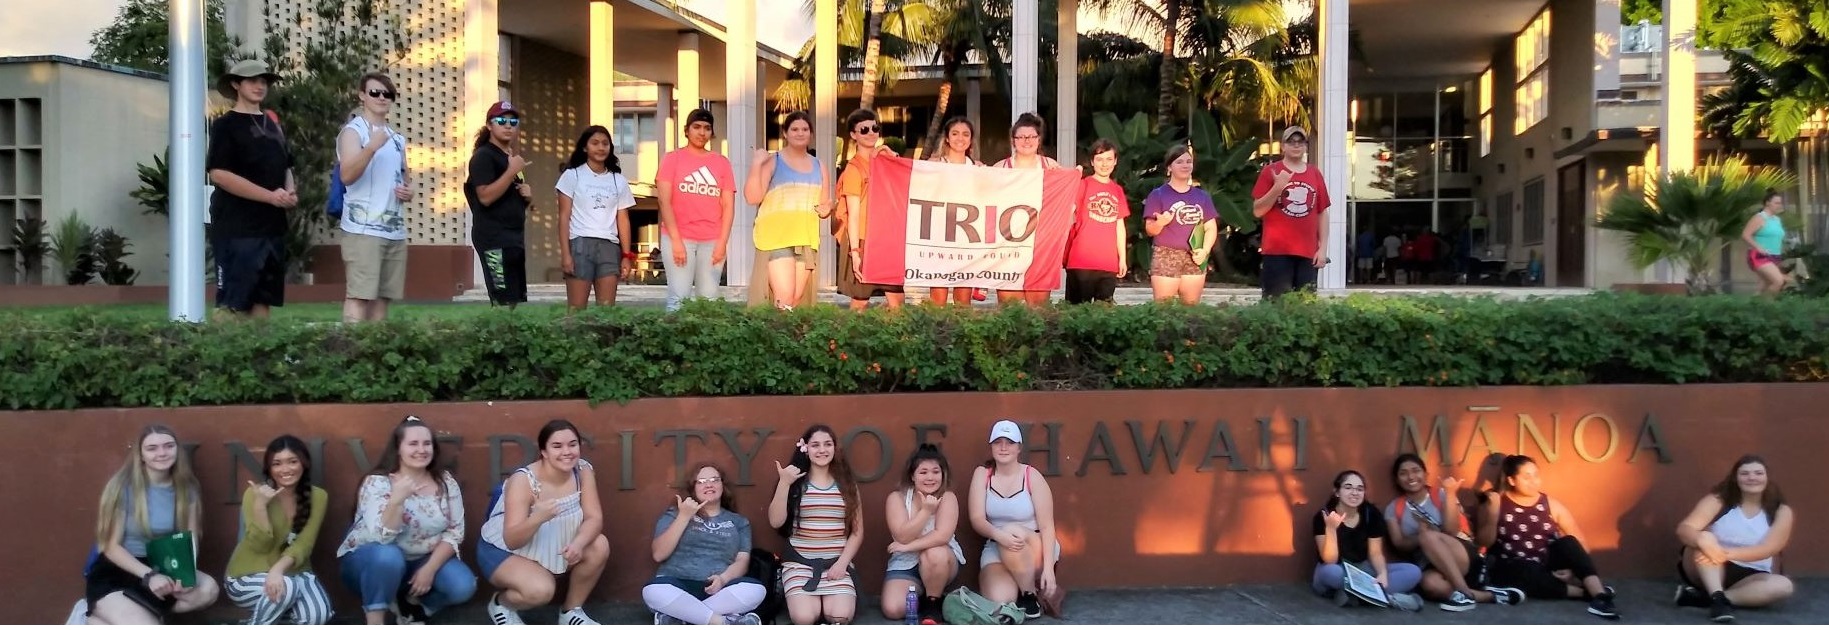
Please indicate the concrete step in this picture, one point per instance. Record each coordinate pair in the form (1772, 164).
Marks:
(656, 295)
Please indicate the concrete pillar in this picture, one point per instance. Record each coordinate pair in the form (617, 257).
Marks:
(1328, 144)
(603, 63)
(826, 136)
(1677, 144)
(1025, 44)
(974, 111)
(482, 81)
(742, 136)
(663, 118)
(685, 85)
(1066, 85)
(247, 20)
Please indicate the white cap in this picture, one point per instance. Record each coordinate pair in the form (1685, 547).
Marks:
(1006, 429)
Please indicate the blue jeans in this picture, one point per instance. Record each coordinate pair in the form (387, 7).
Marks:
(1400, 577)
(698, 277)
(378, 572)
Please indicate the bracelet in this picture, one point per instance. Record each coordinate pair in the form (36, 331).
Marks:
(628, 255)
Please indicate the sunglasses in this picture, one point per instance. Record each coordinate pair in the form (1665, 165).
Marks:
(506, 121)
(387, 94)
(868, 129)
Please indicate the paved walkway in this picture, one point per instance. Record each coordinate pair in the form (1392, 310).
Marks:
(1640, 602)
(656, 295)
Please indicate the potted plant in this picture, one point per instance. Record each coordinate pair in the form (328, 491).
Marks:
(33, 244)
(1686, 218)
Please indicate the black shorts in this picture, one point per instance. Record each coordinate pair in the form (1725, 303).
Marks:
(505, 274)
(1283, 274)
(1731, 573)
(1088, 285)
(249, 271)
(104, 579)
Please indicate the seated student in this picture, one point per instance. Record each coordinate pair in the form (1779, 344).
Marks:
(548, 522)
(1012, 507)
(401, 550)
(1730, 540)
(703, 546)
(1533, 542)
(816, 509)
(153, 495)
(924, 555)
(1428, 527)
(270, 570)
(1351, 531)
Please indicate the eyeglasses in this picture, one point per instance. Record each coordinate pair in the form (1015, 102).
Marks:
(868, 129)
(506, 121)
(387, 94)
(709, 480)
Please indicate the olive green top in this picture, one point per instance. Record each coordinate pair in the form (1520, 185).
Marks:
(261, 547)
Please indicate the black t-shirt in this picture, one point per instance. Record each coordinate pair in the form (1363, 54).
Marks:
(254, 147)
(500, 224)
(1354, 542)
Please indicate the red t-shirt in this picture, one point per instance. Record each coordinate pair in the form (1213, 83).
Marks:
(1101, 214)
(1293, 225)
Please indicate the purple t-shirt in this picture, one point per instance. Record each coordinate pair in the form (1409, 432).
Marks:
(1190, 208)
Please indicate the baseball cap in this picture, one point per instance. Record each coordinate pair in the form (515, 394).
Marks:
(1294, 130)
(1006, 429)
(502, 107)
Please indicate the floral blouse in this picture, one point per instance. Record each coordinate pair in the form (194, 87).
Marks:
(424, 521)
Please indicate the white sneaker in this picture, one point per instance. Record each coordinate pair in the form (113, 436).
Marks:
(502, 615)
(576, 617)
(79, 614)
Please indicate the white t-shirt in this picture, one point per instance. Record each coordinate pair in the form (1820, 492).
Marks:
(596, 198)
(1393, 246)
(369, 205)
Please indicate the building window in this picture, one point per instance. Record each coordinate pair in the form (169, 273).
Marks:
(1486, 112)
(504, 66)
(631, 129)
(1532, 56)
(1533, 212)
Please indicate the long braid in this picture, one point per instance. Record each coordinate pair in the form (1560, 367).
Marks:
(302, 513)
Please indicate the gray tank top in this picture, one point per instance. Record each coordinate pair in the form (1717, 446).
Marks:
(1016, 509)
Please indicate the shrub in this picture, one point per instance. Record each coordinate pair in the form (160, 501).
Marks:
(93, 359)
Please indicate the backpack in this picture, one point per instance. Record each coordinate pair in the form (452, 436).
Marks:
(962, 607)
(333, 204)
(765, 567)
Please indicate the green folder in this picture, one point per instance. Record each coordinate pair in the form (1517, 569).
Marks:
(1196, 239)
(175, 556)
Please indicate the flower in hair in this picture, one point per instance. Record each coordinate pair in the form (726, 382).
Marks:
(802, 445)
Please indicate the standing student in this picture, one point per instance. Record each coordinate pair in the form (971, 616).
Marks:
(1351, 531)
(1289, 198)
(924, 555)
(1171, 214)
(371, 157)
(548, 522)
(401, 550)
(499, 201)
(850, 220)
(956, 148)
(1097, 252)
(595, 243)
(702, 545)
(816, 508)
(793, 192)
(251, 166)
(1534, 544)
(697, 192)
(1012, 507)
(1764, 236)
(1731, 541)
(153, 495)
(1025, 152)
(270, 570)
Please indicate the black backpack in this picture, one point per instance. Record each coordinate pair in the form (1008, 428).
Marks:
(765, 567)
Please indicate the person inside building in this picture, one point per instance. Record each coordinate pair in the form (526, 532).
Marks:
(1012, 506)
(400, 554)
(924, 555)
(250, 164)
(818, 510)
(1291, 198)
(1534, 544)
(547, 522)
(596, 246)
(703, 547)
(697, 192)
(1731, 542)
(500, 199)
(270, 570)
(1183, 225)
(153, 495)
(792, 191)
(371, 163)
(1428, 528)
(1351, 531)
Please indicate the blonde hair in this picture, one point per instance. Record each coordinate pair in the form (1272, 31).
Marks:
(130, 483)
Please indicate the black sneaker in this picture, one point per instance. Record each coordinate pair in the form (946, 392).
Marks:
(931, 610)
(1719, 609)
(1459, 602)
(1030, 605)
(409, 612)
(1602, 605)
(1689, 597)
(1506, 595)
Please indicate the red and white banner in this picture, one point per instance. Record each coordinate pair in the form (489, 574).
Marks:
(933, 224)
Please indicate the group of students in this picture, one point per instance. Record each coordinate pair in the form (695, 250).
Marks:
(400, 554)
(1524, 544)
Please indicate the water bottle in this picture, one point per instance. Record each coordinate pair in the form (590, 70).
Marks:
(913, 615)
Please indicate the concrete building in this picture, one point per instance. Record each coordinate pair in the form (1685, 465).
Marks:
(72, 134)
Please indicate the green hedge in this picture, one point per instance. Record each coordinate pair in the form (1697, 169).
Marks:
(90, 359)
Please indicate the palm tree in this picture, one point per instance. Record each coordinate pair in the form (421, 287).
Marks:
(1785, 84)
(1237, 52)
(903, 29)
(873, 33)
(959, 28)
(1688, 217)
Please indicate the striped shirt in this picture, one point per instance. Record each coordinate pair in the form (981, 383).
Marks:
(819, 534)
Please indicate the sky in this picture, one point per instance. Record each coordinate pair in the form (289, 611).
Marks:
(62, 27)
